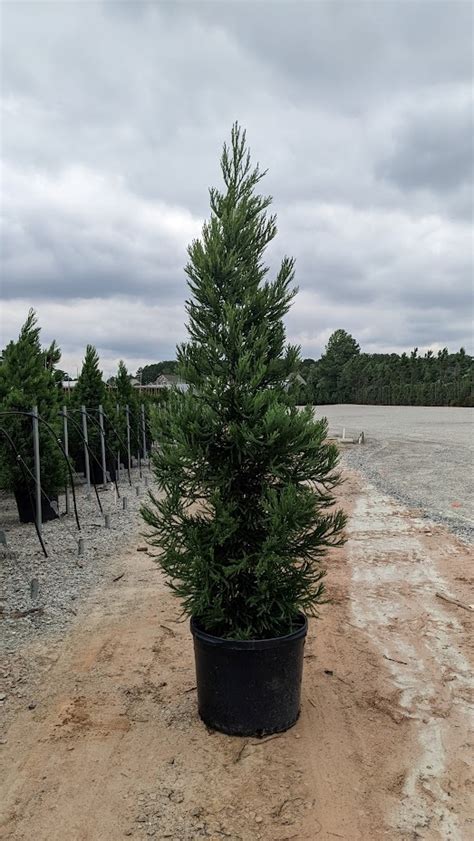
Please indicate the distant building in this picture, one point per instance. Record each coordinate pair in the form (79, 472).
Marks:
(68, 386)
(294, 379)
(163, 381)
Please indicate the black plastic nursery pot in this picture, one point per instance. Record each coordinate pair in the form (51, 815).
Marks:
(249, 687)
(26, 505)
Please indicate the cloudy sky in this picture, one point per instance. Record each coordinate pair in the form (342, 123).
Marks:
(113, 118)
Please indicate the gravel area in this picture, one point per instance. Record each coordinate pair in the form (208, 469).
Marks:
(37, 594)
(423, 456)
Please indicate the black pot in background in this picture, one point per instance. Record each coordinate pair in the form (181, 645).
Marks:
(95, 469)
(249, 687)
(26, 505)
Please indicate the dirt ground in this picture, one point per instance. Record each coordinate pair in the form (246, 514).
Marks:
(112, 746)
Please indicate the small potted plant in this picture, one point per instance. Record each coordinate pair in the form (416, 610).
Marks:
(245, 512)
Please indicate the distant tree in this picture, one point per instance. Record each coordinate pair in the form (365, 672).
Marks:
(340, 348)
(28, 378)
(126, 395)
(90, 391)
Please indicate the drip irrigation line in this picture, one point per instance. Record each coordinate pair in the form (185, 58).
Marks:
(58, 444)
(120, 439)
(49, 500)
(77, 426)
(111, 452)
(25, 477)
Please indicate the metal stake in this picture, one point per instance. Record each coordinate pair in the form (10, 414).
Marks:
(102, 444)
(117, 408)
(127, 413)
(138, 451)
(66, 450)
(86, 449)
(36, 450)
(143, 432)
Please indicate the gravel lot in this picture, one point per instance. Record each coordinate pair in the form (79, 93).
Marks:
(63, 578)
(421, 455)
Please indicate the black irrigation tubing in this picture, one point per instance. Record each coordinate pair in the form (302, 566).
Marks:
(120, 440)
(136, 435)
(58, 444)
(122, 444)
(78, 427)
(105, 443)
(19, 459)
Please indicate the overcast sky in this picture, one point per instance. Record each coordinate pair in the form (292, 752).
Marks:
(113, 118)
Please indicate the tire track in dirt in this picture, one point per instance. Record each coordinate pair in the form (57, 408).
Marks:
(395, 578)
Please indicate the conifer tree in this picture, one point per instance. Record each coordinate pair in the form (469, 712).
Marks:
(125, 395)
(27, 378)
(246, 512)
(91, 392)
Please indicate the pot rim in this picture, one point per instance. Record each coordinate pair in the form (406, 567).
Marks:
(250, 644)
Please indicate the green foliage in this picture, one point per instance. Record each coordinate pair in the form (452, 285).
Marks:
(149, 373)
(126, 395)
(90, 389)
(28, 378)
(91, 392)
(446, 379)
(246, 514)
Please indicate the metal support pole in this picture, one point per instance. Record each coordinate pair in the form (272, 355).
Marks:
(143, 432)
(36, 450)
(118, 450)
(102, 444)
(66, 450)
(127, 413)
(139, 458)
(86, 451)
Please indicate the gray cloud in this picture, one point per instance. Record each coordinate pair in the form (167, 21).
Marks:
(113, 117)
(433, 148)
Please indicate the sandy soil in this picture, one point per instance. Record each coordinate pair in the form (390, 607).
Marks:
(113, 748)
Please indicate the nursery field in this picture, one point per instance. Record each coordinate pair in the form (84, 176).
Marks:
(101, 738)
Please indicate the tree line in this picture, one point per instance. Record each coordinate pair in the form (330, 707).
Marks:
(345, 375)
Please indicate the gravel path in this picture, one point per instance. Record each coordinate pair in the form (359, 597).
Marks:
(29, 612)
(422, 456)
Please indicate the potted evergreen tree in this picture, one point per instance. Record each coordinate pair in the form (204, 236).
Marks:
(28, 378)
(246, 512)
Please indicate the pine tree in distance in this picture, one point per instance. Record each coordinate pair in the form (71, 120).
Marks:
(246, 513)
